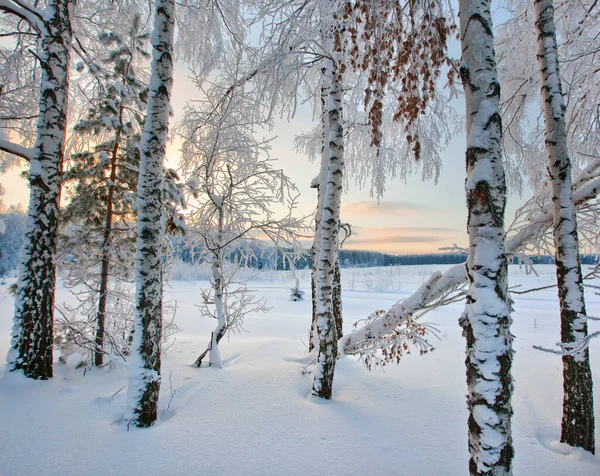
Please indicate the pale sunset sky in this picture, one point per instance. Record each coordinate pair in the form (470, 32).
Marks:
(412, 217)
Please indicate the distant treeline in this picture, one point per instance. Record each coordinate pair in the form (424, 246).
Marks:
(363, 259)
(547, 259)
(253, 255)
(266, 257)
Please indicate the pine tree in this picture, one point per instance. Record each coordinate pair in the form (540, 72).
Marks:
(577, 427)
(99, 220)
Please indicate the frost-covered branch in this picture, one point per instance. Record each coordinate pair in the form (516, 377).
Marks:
(24, 11)
(572, 348)
(26, 153)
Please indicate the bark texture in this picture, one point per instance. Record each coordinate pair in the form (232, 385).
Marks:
(328, 226)
(486, 319)
(336, 299)
(144, 370)
(32, 333)
(577, 427)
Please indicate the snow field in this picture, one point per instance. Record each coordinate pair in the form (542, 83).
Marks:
(256, 416)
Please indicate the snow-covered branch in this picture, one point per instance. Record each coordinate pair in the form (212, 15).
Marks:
(571, 348)
(18, 150)
(25, 11)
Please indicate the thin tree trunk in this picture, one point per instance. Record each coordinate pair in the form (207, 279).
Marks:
(312, 338)
(337, 298)
(486, 320)
(328, 226)
(32, 333)
(105, 260)
(144, 370)
(336, 303)
(577, 427)
(214, 357)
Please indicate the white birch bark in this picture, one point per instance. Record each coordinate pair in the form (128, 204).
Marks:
(214, 357)
(486, 319)
(328, 225)
(218, 284)
(578, 405)
(144, 369)
(32, 333)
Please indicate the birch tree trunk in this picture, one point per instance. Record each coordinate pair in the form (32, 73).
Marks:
(32, 333)
(144, 369)
(336, 297)
(486, 319)
(312, 337)
(214, 357)
(328, 226)
(577, 427)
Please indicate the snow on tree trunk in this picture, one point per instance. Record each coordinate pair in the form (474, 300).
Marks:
(336, 303)
(577, 427)
(328, 226)
(144, 369)
(486, 319)
(32, 333)
(214, 358)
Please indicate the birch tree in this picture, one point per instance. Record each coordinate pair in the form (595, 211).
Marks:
(31, 344)
(239, 201)
(577, 428)
(145, 367)
(578, 43)
(486, 320)
(326, 241)
(384, 42)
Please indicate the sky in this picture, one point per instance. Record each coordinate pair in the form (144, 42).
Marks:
(411, 217)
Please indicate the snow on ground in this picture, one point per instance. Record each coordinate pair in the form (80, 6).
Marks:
(256, 417)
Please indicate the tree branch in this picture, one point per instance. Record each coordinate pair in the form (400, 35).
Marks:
(26, 12)
(18, 150)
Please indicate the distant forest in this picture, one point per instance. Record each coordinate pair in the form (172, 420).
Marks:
(12, 223)
(264, 258)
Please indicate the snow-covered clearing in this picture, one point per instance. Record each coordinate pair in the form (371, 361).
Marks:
(256, 416)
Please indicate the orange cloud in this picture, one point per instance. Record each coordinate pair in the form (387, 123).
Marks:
(401, 240)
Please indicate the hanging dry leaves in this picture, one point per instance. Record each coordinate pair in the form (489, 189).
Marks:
(401, 45)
